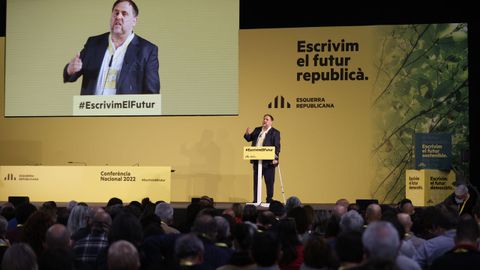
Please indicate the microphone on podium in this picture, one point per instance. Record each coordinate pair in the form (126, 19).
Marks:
(77, 162)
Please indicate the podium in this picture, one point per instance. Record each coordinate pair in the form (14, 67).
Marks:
(429, 187)
(259, 153)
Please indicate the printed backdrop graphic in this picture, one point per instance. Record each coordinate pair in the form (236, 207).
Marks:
(349, 100)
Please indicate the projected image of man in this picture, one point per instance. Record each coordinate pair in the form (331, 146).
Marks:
(118, 62)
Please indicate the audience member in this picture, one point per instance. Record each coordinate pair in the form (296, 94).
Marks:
(266, 250)
(406, 206)
(78, 222)
(87, 249)
(35, 230)
(223, 238)
(349, 249)
(291, 203)
(318, 255)
(58, 253)
(381, 244)
(462, 200)
(15, 229)
(242, 243)
(351, 221)
(465, 254)
(238, 211)
(292, 248)
(443, 224)
(265, 220)
(205, 227)
(250, 213)
(4, 243)
(277, 208)
(405, 220)
(373, 213)
(343, 202)
(189, 251)
(11, 257)
(165, 212)
(123, 255)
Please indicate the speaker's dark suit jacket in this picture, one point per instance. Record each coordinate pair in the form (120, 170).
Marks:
(139, 74)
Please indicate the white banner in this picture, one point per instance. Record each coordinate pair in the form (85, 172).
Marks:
(117, 105)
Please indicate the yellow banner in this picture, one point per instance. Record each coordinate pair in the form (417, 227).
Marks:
(96, 184)
(428, 187)
(259, 152)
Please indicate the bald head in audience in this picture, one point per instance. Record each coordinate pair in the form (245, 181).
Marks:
(58, 236)
(122, 255)
(373, 213)
(405, 221)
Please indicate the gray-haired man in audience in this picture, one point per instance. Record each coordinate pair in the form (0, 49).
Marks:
(164, 211)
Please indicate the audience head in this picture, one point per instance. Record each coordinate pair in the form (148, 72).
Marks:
(302, 221)
(317, 254)
(165, 212)
(127, 227)
(266, 250)
(291, 203)
(373, 213)
(229, 212)
(206, 201)
(343, 202)
(24, 211)
(349, 247)
(351, 221)
(277, 208)
(467, 232)
(243, 236)
(78, 219)
(223, 229)
(444, 219)
(114, 201)
(339, 210)
(71, 204)
(188, 250)
(405, 220)
(35, 230)
(381, 241)
(11, 258)
(206, 226)
(461, 193)
(265, 220)
(3, 227)
(406, 206)
(7, 211)
(250, 213)
(122, 255)
(237, 210)
(101, 221)
(57, 237)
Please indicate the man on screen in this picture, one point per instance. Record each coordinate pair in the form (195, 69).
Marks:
(265, 135)
(118, 62)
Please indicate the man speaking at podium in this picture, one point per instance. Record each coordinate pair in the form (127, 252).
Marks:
(266, 135)
(118, 62)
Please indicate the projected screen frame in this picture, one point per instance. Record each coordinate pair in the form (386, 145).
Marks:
(198, 54)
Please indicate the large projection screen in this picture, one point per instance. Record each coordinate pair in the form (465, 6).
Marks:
(197, 52)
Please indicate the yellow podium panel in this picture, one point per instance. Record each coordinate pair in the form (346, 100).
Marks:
(94, 184)
(428, 187)
(259, 152)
